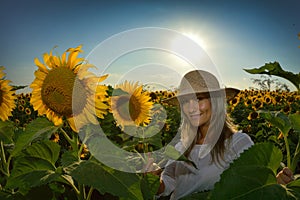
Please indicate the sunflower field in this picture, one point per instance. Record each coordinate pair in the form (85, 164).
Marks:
(45, 136)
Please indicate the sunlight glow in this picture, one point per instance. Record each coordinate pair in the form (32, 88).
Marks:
(195, 37)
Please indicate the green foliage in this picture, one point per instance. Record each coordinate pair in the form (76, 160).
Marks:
(276, 70)
(40, 128)
(94, 174)
(149, 186)
(251, 109)
(6, 132)
(35, 166)
(172, 153)
(286, 123)
(253, 176)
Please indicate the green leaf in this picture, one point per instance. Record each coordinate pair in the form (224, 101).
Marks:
(46, 150)
(276, 70)
(279, 120)
(6, 132)
(38, 128)
(153, 136)
(294, 188)
(103, 149)
(261, 154)
(173, 154)
(253, 176)
(151, 130)
(19, 87)
(107, 180)
(69, 158)
(149, 186)
(154, 140)
(35, 166)
(295, 121)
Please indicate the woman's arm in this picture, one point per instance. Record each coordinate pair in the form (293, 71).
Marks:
(167, 176)
(161, 188)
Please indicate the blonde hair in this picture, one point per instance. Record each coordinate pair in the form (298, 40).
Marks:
(220, 126)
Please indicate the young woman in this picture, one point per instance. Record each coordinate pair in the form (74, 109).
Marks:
(208, 138)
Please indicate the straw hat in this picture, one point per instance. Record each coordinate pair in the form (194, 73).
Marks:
(201, 82)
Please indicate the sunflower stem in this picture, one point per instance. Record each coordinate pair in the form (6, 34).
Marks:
(66, 135)
(75, 142)
(3, 154)
(73, 186)
(8, 164)
(5, 163)
(3, 172)
(80, 149)
(82, 191)
(287, 147)
(72, 141)
(90, 193)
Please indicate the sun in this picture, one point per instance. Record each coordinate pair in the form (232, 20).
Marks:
(190, 49)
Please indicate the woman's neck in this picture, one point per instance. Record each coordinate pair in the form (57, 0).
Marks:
(202, 130)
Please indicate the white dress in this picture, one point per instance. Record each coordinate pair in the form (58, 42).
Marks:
(182, 179)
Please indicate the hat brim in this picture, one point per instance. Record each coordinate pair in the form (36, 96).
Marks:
(229, 92)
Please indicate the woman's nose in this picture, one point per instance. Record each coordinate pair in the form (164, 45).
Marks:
(192, 105)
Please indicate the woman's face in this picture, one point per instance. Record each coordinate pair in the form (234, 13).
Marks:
(197, 110)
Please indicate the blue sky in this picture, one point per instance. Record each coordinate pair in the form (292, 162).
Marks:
(234, 34)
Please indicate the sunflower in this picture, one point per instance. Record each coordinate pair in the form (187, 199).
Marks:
(235, 101)
(286, 109)
(57, 82)
(257, 104)
(153, 96)
(132, 107)
(7, 97)
(268, 99)
(253, 115)
(248, 102)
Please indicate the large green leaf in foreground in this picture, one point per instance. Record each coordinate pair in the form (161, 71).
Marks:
(38, 129)
(253, 176)
(6, 132)
(35, 166)
(107, 180)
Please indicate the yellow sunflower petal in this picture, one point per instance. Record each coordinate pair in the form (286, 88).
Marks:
(40, 65)
(7, 97)
(54, 84)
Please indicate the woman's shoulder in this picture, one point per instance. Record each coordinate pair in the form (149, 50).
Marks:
(240, 136)
(239, 142)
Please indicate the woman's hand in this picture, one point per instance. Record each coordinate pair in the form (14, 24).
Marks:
(285, 176)
(152, 167)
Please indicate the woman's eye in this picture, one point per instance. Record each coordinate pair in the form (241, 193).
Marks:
(184, 101)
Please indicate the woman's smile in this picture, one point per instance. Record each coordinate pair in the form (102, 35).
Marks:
(198, 112)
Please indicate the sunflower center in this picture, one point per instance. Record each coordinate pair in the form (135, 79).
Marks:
(134, 108)
(122, 106)
(129, 109)
(57, 92)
